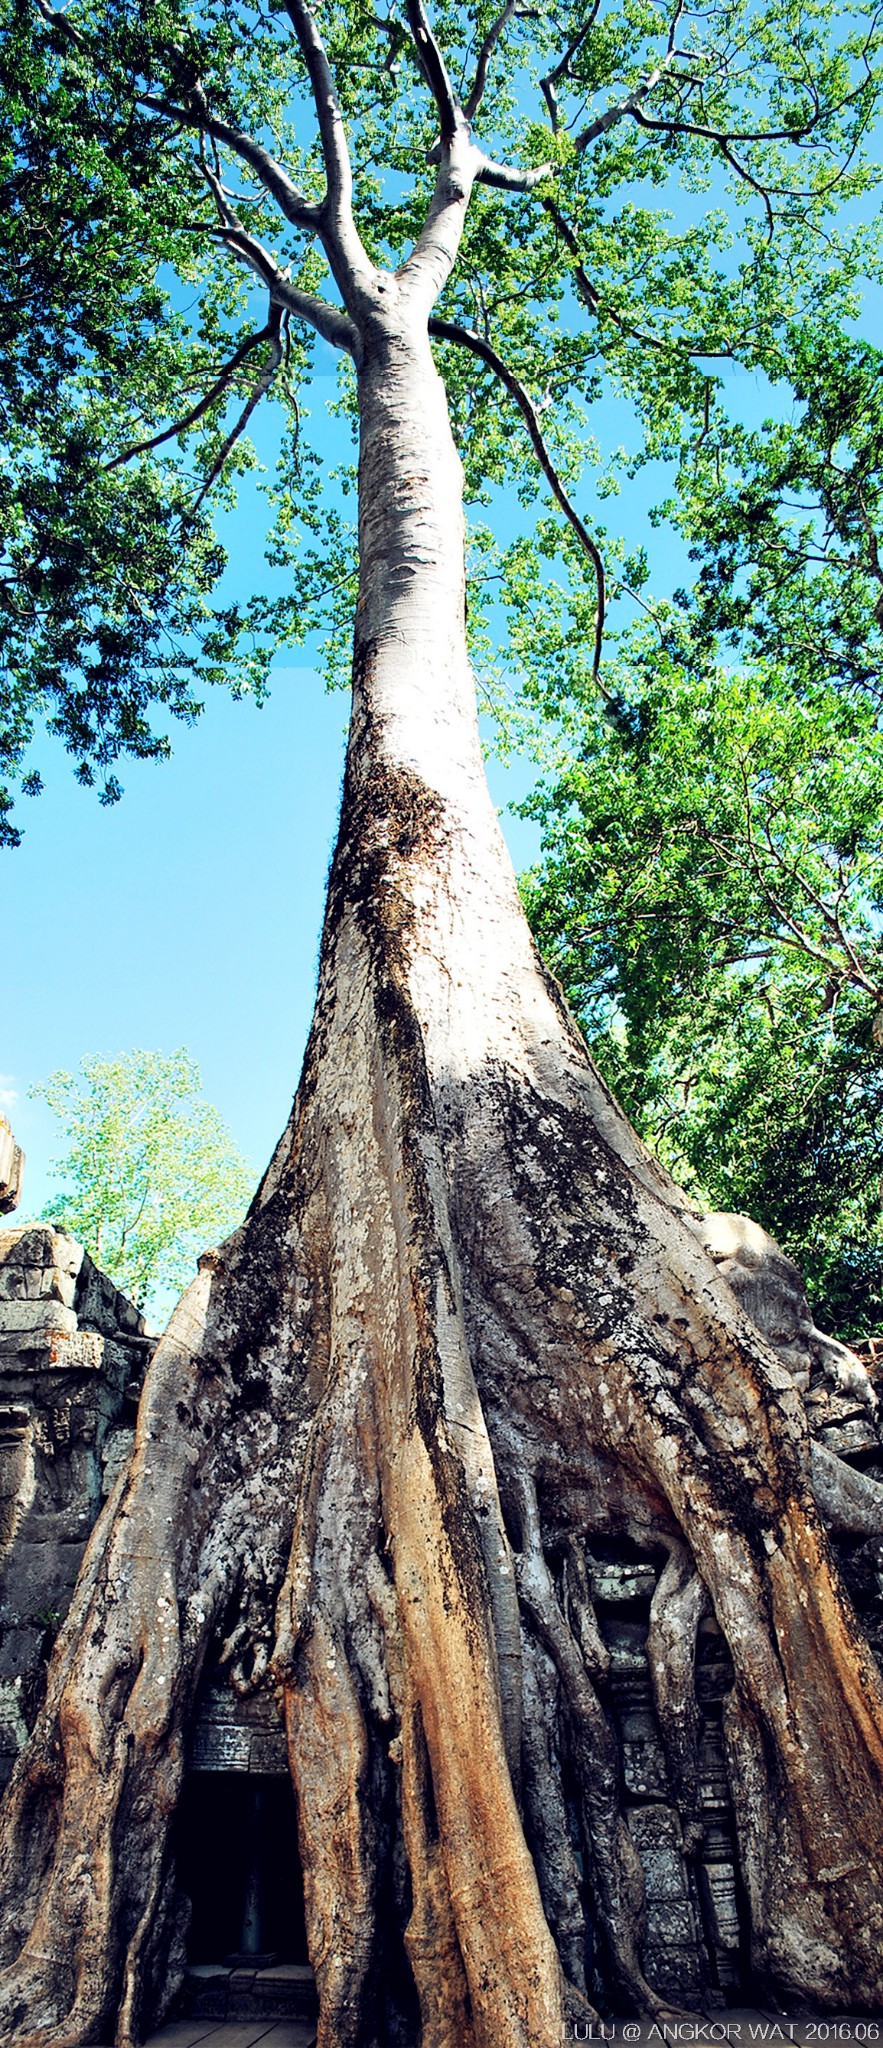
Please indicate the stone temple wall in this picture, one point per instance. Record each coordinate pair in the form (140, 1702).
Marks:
(73, 1352)
(12, 1161)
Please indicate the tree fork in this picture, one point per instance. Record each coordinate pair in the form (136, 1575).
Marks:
(465, 1327)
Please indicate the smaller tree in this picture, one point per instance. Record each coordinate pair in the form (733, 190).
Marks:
(150, 1175)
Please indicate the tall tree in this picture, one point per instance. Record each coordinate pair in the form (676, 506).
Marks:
(467, 1326)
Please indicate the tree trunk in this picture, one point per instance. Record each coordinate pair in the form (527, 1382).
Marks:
(465, 1331)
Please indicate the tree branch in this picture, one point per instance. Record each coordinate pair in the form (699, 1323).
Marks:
(328, 321)
(260, 388)
(598, 306)
(552, 78)
(498, 28)
(434, 69)
(623, 107)
(721, 135)
(56, 18)
(290, 201)
(465, 337)
(198, 411)
(721, 141)
(348, 259)
(455, 120)
(508, 178)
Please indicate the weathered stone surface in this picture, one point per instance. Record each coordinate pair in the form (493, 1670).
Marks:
(643, 1762)
(231, 1733)
(673, 1956)
(849, 1438)
(614, 1582)
(720, 1879)
(27, 1319)
(67, 1378)
(113, 1457)
(12, 1160)
(772, 1290)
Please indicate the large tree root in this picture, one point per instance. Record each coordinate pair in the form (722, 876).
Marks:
(464, 1332)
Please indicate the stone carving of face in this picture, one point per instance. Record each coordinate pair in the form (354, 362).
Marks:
(771, 1289)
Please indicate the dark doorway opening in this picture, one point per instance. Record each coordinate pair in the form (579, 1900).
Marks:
(238, 1863)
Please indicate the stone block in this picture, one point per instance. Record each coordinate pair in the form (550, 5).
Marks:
(269, 1753)
(627, 1642)
(670, 1922)
(848, 1438)
(129, 1317)
(29, 1319)
(49, 1350)
(717, 1838)
(58, 1284)
(116, 1450)
(20, 1649)
(719, 1883)
(220, 1746)
(713, 1781)
(656, 1833)
(676, 1972)
(63, 1388)
(287, 1988)
(615, 1582)
(19, 1282)
(13, 1733)
(714, 1672)
(205, 1992)
(40, 1244)
(643, 1761)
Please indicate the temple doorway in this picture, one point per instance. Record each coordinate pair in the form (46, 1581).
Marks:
(238, 1862)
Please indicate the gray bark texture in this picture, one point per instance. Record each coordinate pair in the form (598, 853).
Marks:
(466, 1343)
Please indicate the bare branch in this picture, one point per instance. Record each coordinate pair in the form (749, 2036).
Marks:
(721, 135)
(198, 411)
(554, 78)
(260, 388)
(508, 177)
(465, 337)
(496, 30)
(56, 18)
(290, 201)
(333, 325)
(434, 69)
(353, 271)
(331, 128)
(453, 118)
(623, 107)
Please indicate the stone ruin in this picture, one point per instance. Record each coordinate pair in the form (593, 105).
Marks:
(697, 1941)
(12, 1161)
(73, 1354)
(73, 1351)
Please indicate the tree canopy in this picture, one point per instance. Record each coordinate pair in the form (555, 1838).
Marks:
(673, 191)
(150, 1174)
